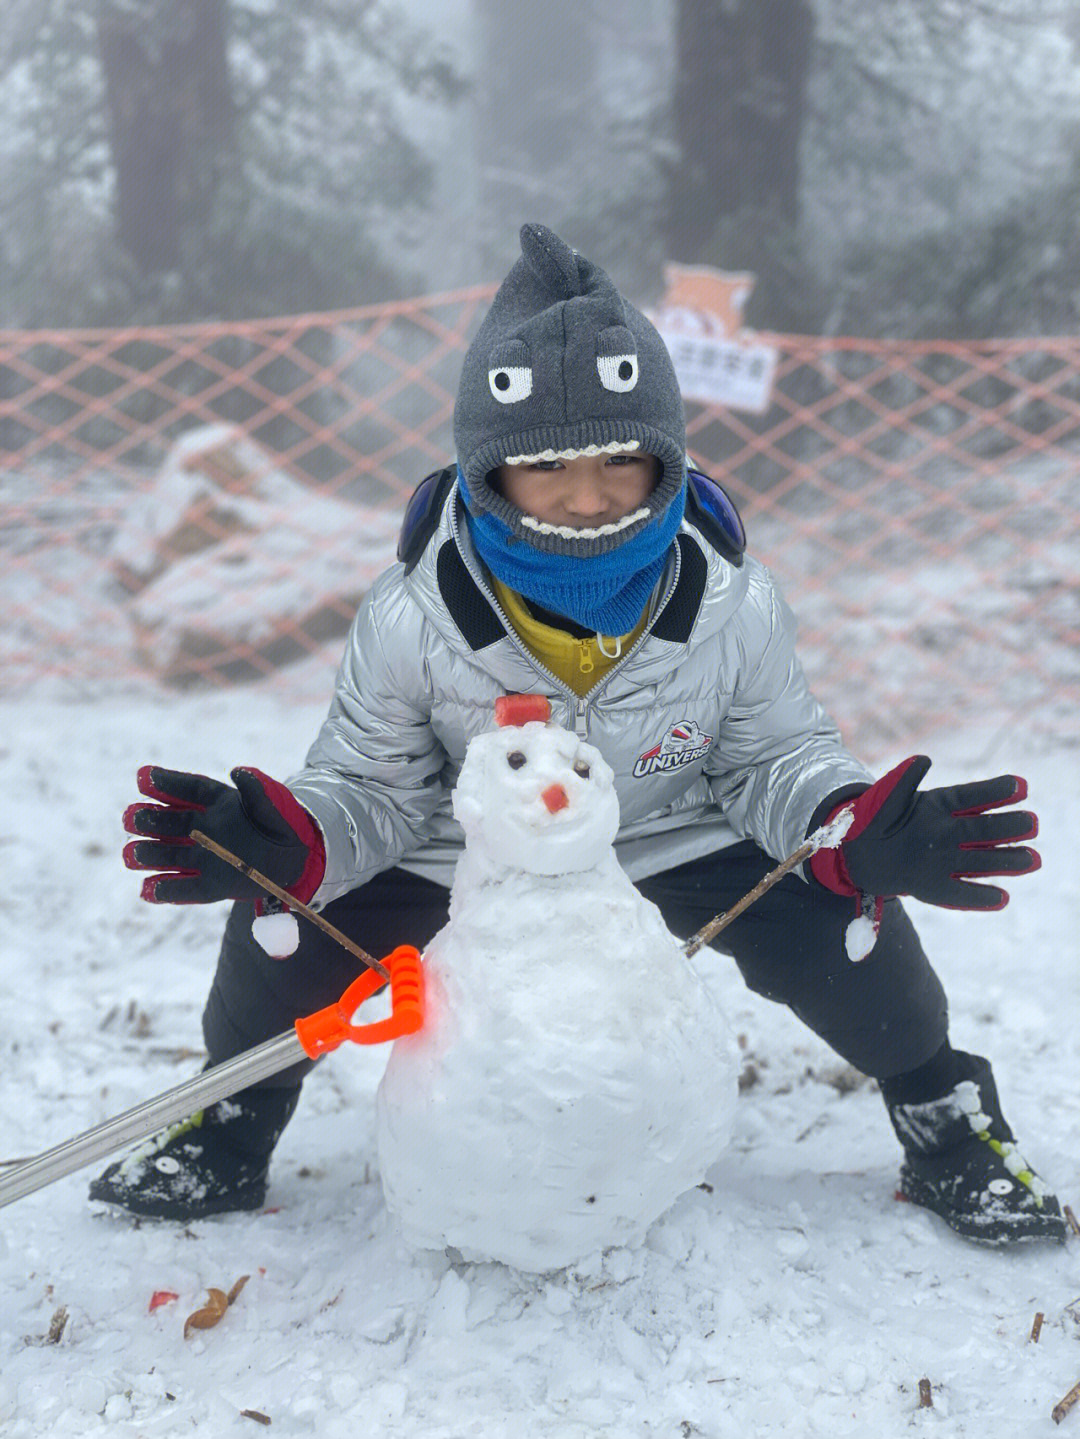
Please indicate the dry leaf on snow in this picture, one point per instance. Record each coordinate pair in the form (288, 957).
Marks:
(210, 1314)
(235, 1290)
(214, 1310)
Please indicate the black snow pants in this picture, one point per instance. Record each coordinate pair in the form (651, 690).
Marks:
(885, 1015)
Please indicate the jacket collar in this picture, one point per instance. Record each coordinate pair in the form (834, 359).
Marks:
(448, 584)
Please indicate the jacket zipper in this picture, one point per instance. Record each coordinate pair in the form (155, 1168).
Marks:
(511, 633)
(599, 689)
(580, 702)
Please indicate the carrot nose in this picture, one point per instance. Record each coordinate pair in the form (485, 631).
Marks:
(555, 798)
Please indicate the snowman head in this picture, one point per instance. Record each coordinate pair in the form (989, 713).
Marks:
(534, 797)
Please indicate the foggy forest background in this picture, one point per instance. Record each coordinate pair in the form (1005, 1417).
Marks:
(905, 168)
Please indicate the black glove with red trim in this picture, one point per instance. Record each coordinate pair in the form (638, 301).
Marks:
(260, 821)
(931, 845)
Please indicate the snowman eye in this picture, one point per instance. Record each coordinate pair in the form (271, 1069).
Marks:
(618, 372)
(515, 759)
(509, 383)
(581, 769)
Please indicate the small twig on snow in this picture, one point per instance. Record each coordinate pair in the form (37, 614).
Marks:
(57, 1325)
(1036, 1327)
(1057, 1414)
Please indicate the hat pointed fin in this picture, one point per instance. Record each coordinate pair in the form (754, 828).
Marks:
(552, 261)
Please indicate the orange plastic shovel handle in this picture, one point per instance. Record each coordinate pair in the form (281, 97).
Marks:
(323, 1031)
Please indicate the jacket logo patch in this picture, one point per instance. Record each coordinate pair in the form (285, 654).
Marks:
(683, 744)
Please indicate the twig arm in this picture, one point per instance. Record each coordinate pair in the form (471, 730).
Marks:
(826, 836)
(721, 921)
(286, 898)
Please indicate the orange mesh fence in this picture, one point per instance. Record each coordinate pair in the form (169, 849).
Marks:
(203, 505)
(206, 504)
(920, 503)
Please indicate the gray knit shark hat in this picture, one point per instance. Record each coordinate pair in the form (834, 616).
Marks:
(563, 366)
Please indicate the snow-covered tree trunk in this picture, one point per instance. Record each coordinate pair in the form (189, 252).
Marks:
(170, 119)
(738, 108)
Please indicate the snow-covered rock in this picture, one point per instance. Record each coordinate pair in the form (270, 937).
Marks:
(231, 566)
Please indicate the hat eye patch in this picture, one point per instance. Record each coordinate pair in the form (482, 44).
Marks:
(618, 373)
(616, 359)
(510, 383)
(510, 371)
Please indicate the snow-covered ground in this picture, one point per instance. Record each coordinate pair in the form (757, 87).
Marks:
(793, 1296)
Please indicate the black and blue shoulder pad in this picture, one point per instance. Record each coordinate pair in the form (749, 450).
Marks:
(711, 510)
(422, 515)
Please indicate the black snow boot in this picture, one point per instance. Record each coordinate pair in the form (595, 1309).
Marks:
(962, 1162)
(214, 1162)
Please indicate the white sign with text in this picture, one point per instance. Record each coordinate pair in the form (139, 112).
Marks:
(718, 361)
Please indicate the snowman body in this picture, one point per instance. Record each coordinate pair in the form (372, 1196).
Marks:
(574, 1075)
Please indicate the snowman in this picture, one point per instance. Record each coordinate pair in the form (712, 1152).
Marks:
(573, 1076)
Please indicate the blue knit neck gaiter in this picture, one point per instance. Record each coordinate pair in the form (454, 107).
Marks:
(606, 592)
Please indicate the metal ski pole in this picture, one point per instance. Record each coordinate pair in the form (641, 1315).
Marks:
(827, 836)
(310, 1038)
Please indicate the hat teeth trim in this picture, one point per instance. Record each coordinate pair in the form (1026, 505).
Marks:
(567, 532)
(613, 447)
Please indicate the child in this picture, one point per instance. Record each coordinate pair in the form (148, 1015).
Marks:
(572, 554)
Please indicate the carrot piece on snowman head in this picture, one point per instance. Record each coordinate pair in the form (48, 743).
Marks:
(522, 709)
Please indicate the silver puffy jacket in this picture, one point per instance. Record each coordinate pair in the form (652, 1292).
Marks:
(707, 720)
